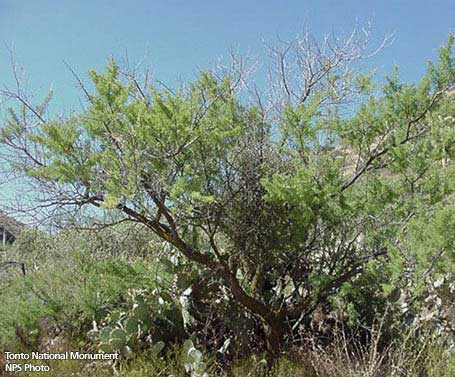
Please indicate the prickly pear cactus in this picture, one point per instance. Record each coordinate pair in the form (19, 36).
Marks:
(124, 331)
(193, 360)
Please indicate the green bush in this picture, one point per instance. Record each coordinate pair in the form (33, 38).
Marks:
(179, 361)
(72, 279)
(116, 280)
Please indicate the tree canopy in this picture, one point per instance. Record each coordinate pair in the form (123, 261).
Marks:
(283, 201)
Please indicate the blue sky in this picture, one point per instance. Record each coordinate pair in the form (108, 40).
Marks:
(181, 37)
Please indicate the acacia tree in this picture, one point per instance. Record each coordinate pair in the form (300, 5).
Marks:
(284, 200)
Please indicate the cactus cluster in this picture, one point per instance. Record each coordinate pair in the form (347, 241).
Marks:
(125, 331)
(193, 360)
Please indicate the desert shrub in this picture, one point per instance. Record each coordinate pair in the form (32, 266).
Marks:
(414, 354)
(72, 279)
(281, 202)
(145, 366)
(185, 360)
(284, 366)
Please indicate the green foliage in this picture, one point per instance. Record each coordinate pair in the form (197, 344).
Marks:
(179, 361)
(257, 366)
(131, 327)
(278, 209)
(73, 279)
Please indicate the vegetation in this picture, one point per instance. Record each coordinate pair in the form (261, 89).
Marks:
(310, 234)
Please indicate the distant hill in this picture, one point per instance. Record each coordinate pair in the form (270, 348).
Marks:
(10, 229)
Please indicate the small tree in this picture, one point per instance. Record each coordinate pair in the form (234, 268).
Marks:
(284, 200)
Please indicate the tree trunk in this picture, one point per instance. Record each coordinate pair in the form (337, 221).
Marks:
(275, 338)
(275, 322)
